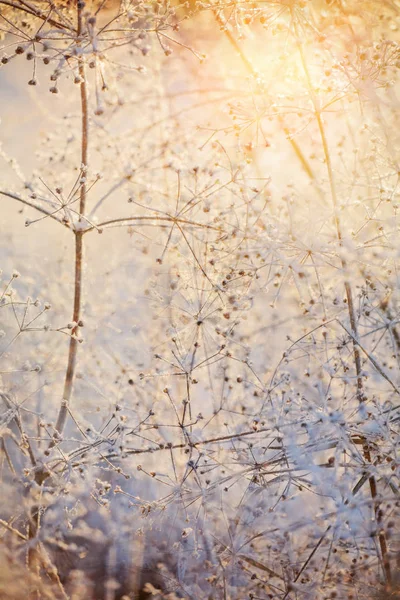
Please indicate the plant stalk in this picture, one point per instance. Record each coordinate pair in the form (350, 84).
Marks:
(76, 314)
(350, 306)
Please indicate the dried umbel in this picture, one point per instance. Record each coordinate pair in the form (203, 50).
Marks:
(61, 15)
(208, 403)
(75, 35)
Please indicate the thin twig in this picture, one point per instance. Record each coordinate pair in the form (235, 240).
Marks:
(40, 209)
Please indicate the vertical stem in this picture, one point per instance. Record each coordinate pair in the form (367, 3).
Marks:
(339, 234)
(76, 315)
(350, 304)
(85, 116)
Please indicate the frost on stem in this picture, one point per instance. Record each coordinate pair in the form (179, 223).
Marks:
(235, 405)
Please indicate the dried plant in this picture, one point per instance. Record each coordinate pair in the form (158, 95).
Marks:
(200, 357)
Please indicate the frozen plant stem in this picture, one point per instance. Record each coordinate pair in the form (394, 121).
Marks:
(76, 315)
(350, 303)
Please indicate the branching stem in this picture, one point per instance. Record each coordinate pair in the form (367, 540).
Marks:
(76, 315)
(349, 297)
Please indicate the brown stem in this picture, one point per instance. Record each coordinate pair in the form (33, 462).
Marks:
(350, 304)
(151, 218)
(76, 315)
(73, 344)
